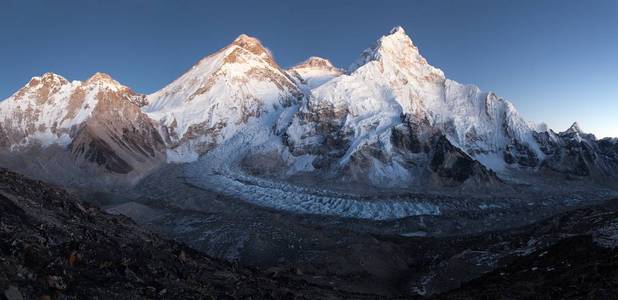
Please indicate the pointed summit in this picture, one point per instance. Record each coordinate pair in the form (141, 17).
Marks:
(252, 45)
(396, 40)
(576, 132)
(397, 50)
(244, 39)
(574, 128)
(398, 30)
(221, 94)
(103, 79)
(99, 76)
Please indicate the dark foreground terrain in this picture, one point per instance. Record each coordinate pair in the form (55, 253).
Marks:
(573, 268)
(55, 247)
(581, 261)
(52, 246)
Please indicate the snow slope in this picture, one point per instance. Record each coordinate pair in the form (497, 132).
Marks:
(315, 71)
(219, 95)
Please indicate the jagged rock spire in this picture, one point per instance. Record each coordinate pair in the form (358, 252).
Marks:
(575, 128)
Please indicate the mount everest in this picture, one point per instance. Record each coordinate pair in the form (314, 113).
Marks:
(390, 120)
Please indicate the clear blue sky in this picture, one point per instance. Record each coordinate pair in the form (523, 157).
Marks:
(557, 61)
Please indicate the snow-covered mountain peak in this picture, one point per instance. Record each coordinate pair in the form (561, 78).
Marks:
(243, 60)
(315, 62)
(252, 45)
(394, 90)
(100, 77)
(575, 132)
(316, 71)
(39, 88)
(394, 67)
(219, 96)
(396, 40)
(397, 30)
(48, 79)
(244, 50)
(396, 52)
(104, 80)
(51, 77)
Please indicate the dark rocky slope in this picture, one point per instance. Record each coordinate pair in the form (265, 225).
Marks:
(573, 268)
(55, 247)
(570, 256)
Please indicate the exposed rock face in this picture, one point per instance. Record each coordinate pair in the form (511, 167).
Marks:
(609, 148)
(579, 154)
(220, 96)
(108, 139)
(454, 165)
(54, 246)
(99, 122)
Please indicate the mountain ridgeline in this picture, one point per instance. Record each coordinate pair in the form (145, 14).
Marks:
(390, 120)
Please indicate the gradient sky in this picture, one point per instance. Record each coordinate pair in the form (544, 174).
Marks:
(557, 61)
